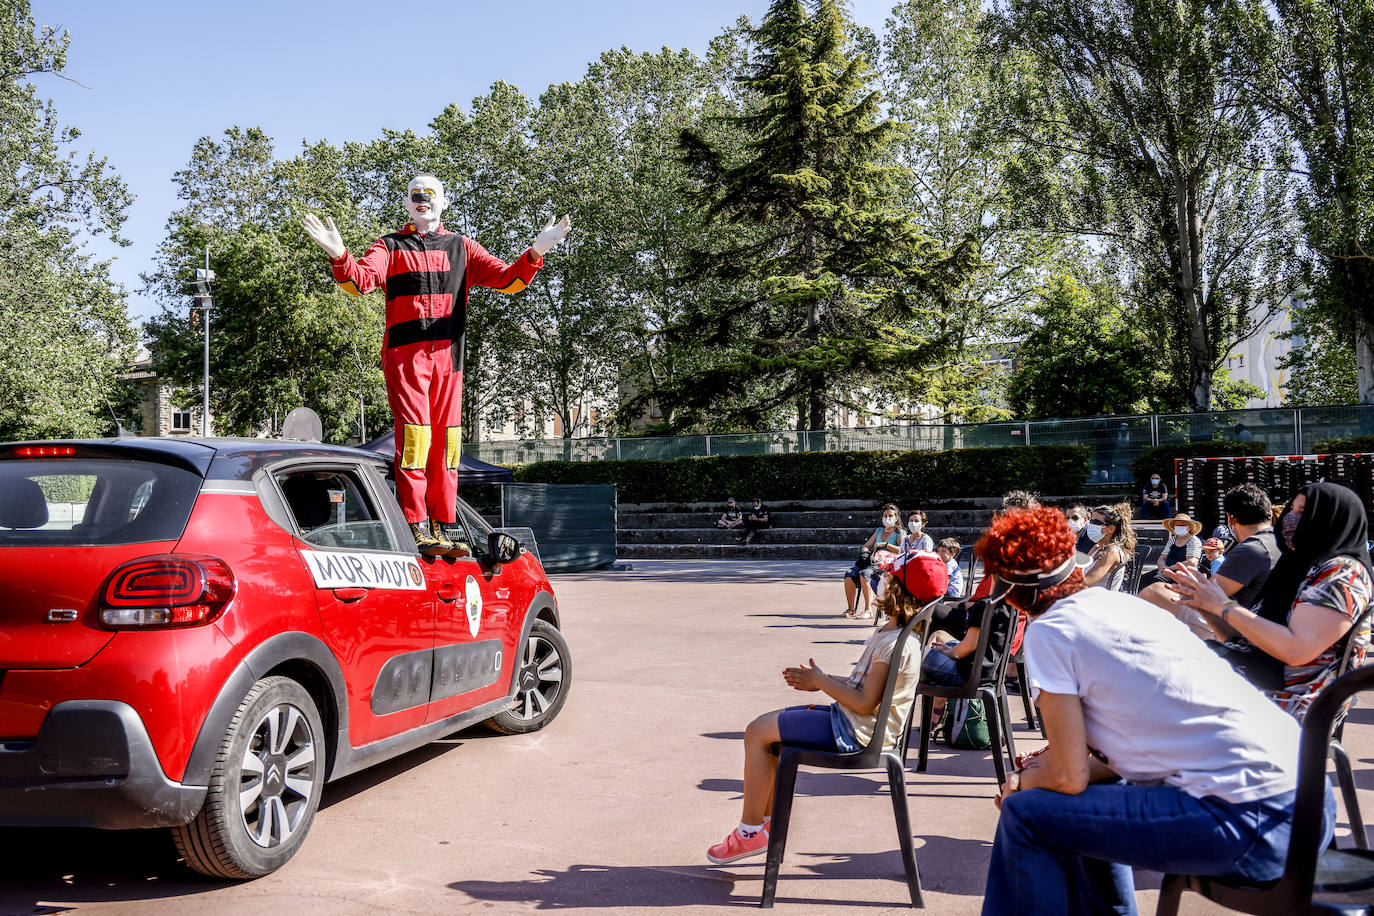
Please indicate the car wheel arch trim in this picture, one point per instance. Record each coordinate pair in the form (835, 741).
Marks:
(284, 647)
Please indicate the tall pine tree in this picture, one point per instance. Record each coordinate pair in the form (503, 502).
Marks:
(827, 287)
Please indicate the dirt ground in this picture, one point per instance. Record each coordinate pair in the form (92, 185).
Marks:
(611, 808)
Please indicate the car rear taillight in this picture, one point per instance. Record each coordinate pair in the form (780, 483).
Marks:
(45, 451)
(170, 590)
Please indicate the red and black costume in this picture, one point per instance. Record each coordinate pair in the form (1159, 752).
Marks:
(426, 277)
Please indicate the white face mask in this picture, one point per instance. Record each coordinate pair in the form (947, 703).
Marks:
(889, 521)
(1076, 524)
(1181, 530)
(425, 214)
(1094, 532)
(914, 525)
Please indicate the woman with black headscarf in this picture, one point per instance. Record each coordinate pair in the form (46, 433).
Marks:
(1312, 606)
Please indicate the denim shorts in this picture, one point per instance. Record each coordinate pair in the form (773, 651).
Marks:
(822, 728)
(939, 669)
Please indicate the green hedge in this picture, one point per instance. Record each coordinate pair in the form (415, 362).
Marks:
(903, 476)
(1353, 444)
(1160, 458)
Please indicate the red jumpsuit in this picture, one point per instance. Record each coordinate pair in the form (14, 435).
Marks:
(426, 278)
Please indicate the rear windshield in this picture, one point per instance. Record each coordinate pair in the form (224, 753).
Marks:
(74, 501)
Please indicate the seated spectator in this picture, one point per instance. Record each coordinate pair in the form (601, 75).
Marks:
(732, 517)
(1182, 545)
(1311, 606)
(1213, 556)
(1159, 756)
(915, 538)
(1154, 499)
(1077, 515)
(1249, 514)
(755, 521)
(1109, 528)
(847, 724)
(952, 616)
(949, 552)
(949, 663)
(863, 576)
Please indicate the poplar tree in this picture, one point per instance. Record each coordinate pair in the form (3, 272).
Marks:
(825, 284)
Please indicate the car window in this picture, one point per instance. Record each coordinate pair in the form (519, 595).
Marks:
(333, 509)
(90, 501)
(476, 525)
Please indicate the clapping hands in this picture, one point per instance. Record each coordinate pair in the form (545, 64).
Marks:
(804, 677)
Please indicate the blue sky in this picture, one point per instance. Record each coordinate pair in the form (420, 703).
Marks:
(152, 76)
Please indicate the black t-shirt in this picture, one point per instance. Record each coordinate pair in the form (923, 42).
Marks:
(1156, 490)
(760, 512)
(732, 514)
(1002, 622)
(1249, 563)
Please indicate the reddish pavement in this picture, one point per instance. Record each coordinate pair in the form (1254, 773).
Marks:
(611, 808)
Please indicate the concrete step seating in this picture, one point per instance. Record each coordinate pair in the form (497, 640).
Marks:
(812, 530)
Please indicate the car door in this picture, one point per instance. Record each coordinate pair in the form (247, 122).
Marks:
(376, 605)
(473, 639)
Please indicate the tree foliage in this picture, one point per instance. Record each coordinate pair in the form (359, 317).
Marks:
(66, 333)
(1139, 129)
(831, 286)
(1082, 355)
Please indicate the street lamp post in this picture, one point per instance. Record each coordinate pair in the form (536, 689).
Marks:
(204, 300)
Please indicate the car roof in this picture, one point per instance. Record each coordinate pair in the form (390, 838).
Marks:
(213, 457)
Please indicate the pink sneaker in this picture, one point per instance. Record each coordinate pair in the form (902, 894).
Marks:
(735, 847)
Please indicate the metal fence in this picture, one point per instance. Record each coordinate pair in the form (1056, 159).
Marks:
(1114, 442)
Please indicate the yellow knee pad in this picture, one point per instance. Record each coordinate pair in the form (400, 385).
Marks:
(414, 446)
(455, 446)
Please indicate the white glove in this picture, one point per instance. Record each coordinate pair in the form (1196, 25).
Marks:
(326, 236)
(553, 234)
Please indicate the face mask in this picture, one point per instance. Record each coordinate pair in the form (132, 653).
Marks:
(424, 202)
(1181, 530)
(915, 526)
(1094, 532)
(1289, 525)
(1154, 481)
(1076, 524)
(889, 521)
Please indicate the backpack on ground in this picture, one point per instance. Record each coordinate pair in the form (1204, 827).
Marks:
(965, 725)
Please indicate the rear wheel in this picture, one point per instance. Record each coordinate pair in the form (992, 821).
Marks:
(543, 677)
(264, 788)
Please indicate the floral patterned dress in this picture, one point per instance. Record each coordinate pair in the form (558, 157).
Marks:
(1343, 585)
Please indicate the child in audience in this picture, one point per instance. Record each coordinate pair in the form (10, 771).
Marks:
(949, 552)
(1212, 556)
(849, 723)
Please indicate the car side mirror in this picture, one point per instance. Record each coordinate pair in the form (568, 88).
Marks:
(502, 547)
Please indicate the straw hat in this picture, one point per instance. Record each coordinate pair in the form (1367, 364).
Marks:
(1193, 527)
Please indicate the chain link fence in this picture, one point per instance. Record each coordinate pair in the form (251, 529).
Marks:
(1114, 442)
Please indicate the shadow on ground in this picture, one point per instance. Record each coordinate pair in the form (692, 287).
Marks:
(962, 866)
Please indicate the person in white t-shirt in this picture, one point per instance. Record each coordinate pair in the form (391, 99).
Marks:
(1160, 755)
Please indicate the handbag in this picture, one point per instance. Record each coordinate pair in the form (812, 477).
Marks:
(965, 725)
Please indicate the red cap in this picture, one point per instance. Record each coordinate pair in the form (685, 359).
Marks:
(923, 574)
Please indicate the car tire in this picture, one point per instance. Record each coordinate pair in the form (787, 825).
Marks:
(272, 759)
(543, 676)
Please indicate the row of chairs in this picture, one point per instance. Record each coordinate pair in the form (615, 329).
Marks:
(1310, 872)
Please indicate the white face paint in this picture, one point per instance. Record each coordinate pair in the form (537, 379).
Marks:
(424, 213)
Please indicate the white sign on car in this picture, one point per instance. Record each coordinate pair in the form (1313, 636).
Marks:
(355, 569)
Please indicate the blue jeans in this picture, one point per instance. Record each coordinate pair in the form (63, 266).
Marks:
(1056, 854)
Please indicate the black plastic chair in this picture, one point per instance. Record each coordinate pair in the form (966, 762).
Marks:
(872, 757)
(1023, 682)
(1311, 873)
(1135, 567)
(1345, 774)
(992, 691)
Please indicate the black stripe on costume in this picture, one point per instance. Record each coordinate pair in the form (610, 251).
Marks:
(418, 330)
(416, 282)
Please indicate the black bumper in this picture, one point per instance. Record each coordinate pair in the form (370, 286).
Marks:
(92, 765)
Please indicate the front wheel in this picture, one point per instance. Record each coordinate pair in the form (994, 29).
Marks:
(264, 788)
(542, 681)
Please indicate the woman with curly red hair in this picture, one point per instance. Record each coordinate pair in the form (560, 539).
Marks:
(1161, 756)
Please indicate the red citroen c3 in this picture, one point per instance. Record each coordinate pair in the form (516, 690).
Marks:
(199, 634)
